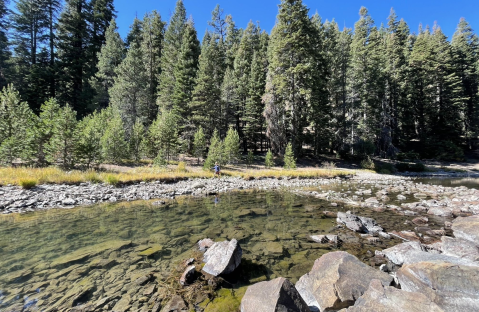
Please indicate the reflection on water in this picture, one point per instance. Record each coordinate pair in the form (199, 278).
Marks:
(44, 256)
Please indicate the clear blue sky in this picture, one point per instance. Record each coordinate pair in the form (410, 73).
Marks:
(446, 12)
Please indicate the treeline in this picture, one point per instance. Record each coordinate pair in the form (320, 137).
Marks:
(371, 90)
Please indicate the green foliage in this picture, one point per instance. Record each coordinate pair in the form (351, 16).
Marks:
(89, 148)
(231, 145)
(199, 144)
(364, 148)
(136, 141)
(16, 126)
(164, 133)
(28, 183)
(215, 152)
(414, 167)
(269, 160)
(160, 159)
(250, 158)
(368, 163)
(408, 156)
(44, 129)
(445, 150)
(113, 142)
(92, 177)
(112, 180)
(62, 147)
(289, 160)
(181, 166)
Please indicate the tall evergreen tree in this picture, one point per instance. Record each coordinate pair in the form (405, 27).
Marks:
(135, 33)
(170, 55)
(62, 146)
(292, 65)
(185, 72)
(111, 55)
(129, 94)
(152, 48)
(465, 49)
(4, 44)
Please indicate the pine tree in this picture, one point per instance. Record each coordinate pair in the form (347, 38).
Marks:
(185, 73)
(63, 144)
(44, 129)
(129, 94)
(89, 148)
(229, 101)
(135, 33)
(136, 138)
(199, 144)
(206, 104)
(465, 49)
(16, 125)
(113, 141)
(111, 55)
(292, 61)
(289, 160)
(73, 35)
(164, 132)
(269, 160)
(215, 152)
(170, 55)
(152, 48)
(231, 146)
(4, 44)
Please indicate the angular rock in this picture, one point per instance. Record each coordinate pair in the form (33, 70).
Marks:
(461, 248)
(324, 239)
(222, 258)
(406, 235)
(204, 244)
(358, 224)
(420, 220)
(336, 280)
(188, 275)
(122, 305)
(276, 295)
(467, 228)
(379, 298)
(176, 304)
(454, 288)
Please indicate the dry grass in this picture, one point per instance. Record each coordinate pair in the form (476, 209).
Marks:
(53, 175)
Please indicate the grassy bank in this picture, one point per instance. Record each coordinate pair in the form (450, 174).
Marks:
(29, 177)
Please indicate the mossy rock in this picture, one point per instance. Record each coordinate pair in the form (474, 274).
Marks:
(153, 250)
(227, 300)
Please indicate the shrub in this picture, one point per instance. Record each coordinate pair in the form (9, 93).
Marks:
(289, 160)
(112, 180)
(181, 166)
(160, 160)
(415, 167)
(269, 161)
(367, 163)
(250, 158)
(28, 183)
(92, 177)
(386, 168)
(384, 171)
(328, 165)
(407, 156)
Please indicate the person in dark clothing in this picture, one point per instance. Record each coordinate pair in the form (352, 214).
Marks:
(217, 170)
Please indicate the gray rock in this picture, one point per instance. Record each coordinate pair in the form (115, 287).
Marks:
(458, 247)
(379, 298)
(277, 295)
(358, 224)
(336, 280)
(454, 288)
(176, 304)
(467, 228)
(69, 202)
(204, 244)
(222, 258)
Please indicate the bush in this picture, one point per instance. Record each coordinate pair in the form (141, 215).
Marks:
(415, 167)
(269, 161)
(386, 168)
(92, 177)
(328, 165)
(28, 183)
(181, 166)
(112, 180)
(250, 158)
(447, 150)
(160, 160)
(408, 156)
(367, 163)
(384, 171)
(289, 160)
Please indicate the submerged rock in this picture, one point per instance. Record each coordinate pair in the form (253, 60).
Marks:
(276, 295)
(380, 298)
(336, 280)
(358, 224)
(176, 304)
(188, 275)
(222, 258)
(455, 288)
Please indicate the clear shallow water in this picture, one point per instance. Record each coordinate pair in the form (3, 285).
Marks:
(45, 256)
(450, 182)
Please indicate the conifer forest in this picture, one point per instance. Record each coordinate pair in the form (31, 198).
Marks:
(74, 93)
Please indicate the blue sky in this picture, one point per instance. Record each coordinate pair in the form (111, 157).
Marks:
(445, 12)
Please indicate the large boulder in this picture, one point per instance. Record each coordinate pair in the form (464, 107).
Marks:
(358, 224)
(461, 248)
(336, 280)
(278, 295)
(379, 298)
(455, 288)
(467, 228)
(414, 252)
(222, 258)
